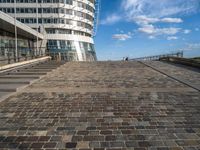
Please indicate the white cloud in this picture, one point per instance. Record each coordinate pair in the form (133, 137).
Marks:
(172, 20)
(130, 33)
(158, 9)
(186, 31)
(151, 30)
(146, 13)
(152, 37)
(196, 29)
(169, 31)
(152, 11)
(111, 19)
(143, 20)
(121, 37)
(193, 46)
(148, 29)
(172, 38)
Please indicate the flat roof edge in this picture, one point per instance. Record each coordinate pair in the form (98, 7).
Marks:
(7, 18)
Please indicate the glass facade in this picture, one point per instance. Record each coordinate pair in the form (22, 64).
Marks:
(65, 47)
(25, 46)
(69, 45)
(61, 45)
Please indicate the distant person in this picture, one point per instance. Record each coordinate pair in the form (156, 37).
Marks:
(126, 59)
(39, 29)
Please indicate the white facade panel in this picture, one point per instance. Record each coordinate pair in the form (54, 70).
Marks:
(70, 38)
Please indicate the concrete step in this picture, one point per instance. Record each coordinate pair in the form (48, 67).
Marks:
(19, 76)
(33, 70)
(10, 87)
(26, 73)
(17, 80)
(14, 82)
(38, 67)
(40, 71)
(2, 94)
(46, 64)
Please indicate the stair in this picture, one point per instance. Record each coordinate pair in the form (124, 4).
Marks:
(19, 78)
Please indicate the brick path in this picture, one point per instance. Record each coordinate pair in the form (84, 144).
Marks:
(103, 105)
(188, 76)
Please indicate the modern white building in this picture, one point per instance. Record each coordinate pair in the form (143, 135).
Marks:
(67, 25)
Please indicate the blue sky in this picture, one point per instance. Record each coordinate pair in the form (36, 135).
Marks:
(137, 28)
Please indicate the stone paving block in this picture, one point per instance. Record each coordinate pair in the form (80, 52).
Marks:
(83, 144)
(103, 105)
(56, 138)
(36, 145)
(110, 138)
(82, 132)
(77, 138)
(93, 138)
(132, 144)
(117, 144)
(50, 145)
(71, 145)
(94, 144)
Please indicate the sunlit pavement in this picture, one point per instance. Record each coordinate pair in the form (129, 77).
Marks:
(105, 105)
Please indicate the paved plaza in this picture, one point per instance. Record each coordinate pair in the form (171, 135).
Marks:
(105, 106)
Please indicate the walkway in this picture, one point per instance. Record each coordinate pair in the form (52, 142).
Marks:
(105, 106)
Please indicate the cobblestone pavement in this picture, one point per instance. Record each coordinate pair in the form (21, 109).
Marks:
(104, 75)
(189, 76)
(102, 106)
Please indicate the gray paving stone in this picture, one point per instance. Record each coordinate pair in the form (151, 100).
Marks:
(103, 105)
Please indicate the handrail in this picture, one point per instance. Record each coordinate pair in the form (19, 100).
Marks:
(158, 57)
(184, 61)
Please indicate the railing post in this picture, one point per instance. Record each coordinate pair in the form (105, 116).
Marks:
(14, 55)
(8, 54)
(26, 53)
(18, 57)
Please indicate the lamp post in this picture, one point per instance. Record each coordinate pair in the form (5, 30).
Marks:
(16, 50)
(42, 51)
(37, 26)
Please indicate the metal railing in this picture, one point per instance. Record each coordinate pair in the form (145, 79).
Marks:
(183, 61)
(158, 57)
